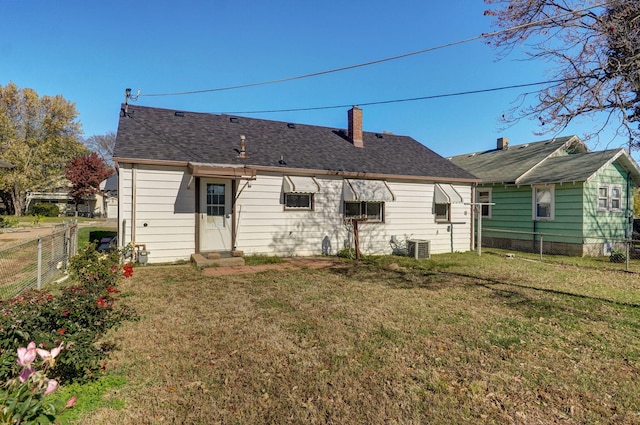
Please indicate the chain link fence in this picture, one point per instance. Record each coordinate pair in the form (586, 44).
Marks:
(39, 261)
(617, 253)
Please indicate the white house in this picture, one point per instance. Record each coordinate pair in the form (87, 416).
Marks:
(198, 183)
(109, 197)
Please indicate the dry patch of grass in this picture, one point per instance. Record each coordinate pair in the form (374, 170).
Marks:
(457, 339)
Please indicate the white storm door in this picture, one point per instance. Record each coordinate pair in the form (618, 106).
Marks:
(215, 215)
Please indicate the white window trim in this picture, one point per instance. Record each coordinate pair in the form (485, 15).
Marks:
(490, 207)
(552, 207)
(598, 197)
(610, 198)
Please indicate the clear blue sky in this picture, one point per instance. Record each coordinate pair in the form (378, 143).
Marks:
(90, 51)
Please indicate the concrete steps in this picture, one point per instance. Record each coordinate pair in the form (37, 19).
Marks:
(217, 259)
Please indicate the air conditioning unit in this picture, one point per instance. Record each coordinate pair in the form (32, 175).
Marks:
(419, 248)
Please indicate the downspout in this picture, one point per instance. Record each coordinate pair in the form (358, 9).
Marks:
(134, 177)
(234, 187)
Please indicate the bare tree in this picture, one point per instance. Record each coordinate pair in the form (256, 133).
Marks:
(594, 46)
(103, 145)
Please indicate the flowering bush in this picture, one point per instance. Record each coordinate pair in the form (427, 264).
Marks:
(23, 397)
(80, 313)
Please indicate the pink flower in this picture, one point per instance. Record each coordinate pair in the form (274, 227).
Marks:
(49, 354)
(26, 356)
(71, 402)
(51, 386)
(25, 374)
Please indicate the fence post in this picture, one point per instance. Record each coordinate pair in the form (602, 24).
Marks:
(39, 264)
(479, 241)
(541, 238)
(627, 246)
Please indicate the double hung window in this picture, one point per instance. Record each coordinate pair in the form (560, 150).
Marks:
(543, 203)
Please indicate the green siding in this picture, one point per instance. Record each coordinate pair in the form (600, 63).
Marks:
(607, 224)
(568, 214)
(511, 212)
(575, 211)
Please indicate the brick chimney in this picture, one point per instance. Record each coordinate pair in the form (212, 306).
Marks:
(503, 144)
(355, 127)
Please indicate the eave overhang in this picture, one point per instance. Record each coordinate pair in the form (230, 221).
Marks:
(236, 171)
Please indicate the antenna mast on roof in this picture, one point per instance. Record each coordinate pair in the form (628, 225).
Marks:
(127, 96)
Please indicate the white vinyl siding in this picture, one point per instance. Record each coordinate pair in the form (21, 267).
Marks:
(165, 201)
(264, 228)
(165, 211)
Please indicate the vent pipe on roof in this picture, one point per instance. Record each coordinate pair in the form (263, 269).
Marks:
(355, 126)
(243, 152)
(503, 144)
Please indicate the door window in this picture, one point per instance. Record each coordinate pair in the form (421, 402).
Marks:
(215, 199)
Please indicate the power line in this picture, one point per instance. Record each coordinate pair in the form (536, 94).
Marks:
(411, 99)
(374, 62)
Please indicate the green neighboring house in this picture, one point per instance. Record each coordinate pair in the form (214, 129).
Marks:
(579, 202)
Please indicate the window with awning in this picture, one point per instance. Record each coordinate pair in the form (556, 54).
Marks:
(366, 191)
(300, 184)
(446, 194)
(298, 192)
(364, 199)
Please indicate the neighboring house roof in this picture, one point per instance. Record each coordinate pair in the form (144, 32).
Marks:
(560, 160)
(110, 184)
(153, 135)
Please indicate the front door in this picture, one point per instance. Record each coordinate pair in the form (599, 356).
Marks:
(215, 215)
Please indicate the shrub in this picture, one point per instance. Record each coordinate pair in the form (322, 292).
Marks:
(347, 253)
(78, 316)
(44, 209)
(617, 257)
(8, 222)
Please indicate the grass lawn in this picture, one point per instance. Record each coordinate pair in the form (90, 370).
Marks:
(455, 339)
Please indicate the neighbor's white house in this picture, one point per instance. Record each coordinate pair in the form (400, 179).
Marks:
(198, 183)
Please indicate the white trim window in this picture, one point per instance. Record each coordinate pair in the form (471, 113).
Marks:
(371, 211)
(543, 203)
(484, 197)
(609, 197)
(615, 203)
(603, 197)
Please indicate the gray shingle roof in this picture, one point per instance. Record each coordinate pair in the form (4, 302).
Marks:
(565, 159)
(569, 168)
(147, 133)
(507, 165)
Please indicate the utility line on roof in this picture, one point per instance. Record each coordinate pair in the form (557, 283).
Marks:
(375, 62)
(412, 99)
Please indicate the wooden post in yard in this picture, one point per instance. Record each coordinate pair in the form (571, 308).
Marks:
(356, 238)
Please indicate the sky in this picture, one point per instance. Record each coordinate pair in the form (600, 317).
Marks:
(91, 51)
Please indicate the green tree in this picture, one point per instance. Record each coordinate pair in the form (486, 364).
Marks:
(39, 135)
(591, 46)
